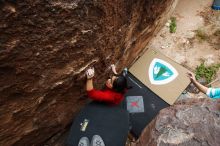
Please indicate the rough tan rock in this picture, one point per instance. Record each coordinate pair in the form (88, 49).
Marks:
(194, 122)
(45, 47)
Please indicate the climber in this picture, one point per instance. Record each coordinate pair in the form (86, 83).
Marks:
(115, 87)
(211, 92)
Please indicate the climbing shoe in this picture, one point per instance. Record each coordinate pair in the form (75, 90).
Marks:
(97, 141)
(84, 141)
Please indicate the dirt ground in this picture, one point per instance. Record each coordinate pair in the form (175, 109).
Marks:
(185, 46)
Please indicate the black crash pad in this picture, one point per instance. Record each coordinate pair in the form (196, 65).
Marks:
(151, 102)
(110, 122)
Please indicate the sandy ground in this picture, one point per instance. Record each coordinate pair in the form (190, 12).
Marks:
(184, 46)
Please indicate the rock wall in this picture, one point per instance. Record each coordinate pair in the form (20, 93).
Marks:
(188, 123)
(45, 47)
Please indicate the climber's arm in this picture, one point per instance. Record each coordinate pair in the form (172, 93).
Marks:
(114, 69)
(89, 85)
(201, 87)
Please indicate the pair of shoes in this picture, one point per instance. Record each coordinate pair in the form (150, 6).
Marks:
(96, 141)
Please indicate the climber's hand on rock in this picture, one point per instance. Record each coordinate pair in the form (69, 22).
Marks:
(90, 73)
(113, 69)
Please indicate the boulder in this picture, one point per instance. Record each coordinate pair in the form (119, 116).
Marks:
(191, 122)
(45, 48)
